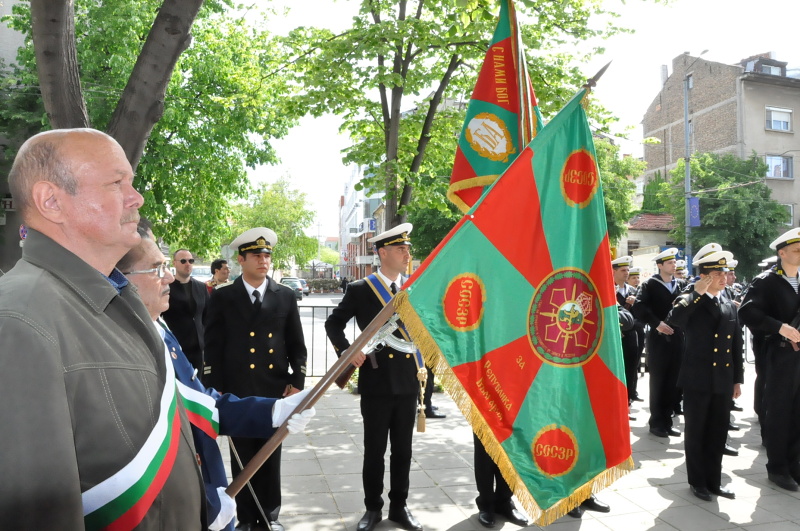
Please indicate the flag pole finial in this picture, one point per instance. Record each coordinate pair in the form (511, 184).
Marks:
(592, 81)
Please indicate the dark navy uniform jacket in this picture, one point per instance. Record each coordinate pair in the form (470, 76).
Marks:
(712, 359)
(397, 371)
(238, 417)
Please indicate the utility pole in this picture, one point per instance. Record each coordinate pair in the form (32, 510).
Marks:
(687, 181)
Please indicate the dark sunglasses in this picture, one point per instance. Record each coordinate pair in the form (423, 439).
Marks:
(184, 260)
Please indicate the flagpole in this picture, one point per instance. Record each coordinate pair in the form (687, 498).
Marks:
(592, 81)
(316, 393)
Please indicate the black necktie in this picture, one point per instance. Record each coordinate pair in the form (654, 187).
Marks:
(393, 287)
(257, 300)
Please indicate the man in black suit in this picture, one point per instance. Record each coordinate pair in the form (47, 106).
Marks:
(255, 347)
(771, 308)
(626, 297)
(389, 391)
(188, 299)
(712, 371)
(664, 343)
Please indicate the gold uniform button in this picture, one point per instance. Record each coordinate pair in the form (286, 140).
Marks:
(391, 355)
(715, 364)
(252, 365)
(727, 364)
(728, 350)
(271, 351)
(270, 334)
(729, 337)
(252, 350)
(252, 334)
(715, 350)
(408, 356)
(270, 365)
(716, 335)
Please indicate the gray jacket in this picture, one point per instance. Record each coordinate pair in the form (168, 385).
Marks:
(82, 372)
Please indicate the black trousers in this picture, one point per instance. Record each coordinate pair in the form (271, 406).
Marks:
(428, 391)
(387, 418)
(640, 340)
(266, 483)
(781, 410)
(630, 356)
(664, 354)
(705, 432)
(761, 377)
(493, 491)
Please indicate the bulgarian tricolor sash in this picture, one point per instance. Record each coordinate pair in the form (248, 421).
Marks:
(120, 502)
(201, 410)
(516, 312)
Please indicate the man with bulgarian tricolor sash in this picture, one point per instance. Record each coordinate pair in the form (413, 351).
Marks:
(94, 434)
(210, 412)
(388, 383)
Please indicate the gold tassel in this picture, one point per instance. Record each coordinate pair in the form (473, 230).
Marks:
(420, 420)
(436, 360)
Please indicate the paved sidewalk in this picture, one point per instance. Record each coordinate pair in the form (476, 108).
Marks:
(322, 478)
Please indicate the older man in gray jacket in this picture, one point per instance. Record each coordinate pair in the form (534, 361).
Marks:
(94, 433)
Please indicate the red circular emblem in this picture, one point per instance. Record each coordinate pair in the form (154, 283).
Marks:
(463, 302)
(579, 178)
(555, 450)
(565, 321)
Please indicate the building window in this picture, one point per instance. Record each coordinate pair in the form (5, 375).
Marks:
(689, 81)
(771, 70)
(790, 209)
(632, 246)
(779, 119)
(779, 167)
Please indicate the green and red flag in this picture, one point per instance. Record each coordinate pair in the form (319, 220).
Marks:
(516, 312)
(502, 116)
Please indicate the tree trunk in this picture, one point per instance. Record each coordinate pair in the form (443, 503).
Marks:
(53, 33)
(142, 102)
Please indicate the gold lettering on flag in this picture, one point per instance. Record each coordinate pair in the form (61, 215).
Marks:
(489, 136)
(555, 450)
(579, 178)
(463, 302)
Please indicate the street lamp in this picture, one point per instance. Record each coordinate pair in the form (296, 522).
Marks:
(687, 183)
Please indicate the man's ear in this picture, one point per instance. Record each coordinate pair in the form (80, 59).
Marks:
(46, 199)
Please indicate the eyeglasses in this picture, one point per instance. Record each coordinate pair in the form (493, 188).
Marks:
(160, 271)
(184, 260)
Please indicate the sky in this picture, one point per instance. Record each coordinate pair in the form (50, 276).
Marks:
(730, 31)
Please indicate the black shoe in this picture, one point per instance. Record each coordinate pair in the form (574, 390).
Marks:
(674, 432)
(736, 407)
(631, 418)
(637, 399)
(577, 512)
(431, 414)
(784, 481)
(405, 519)
(510, 512)
(486, 519)
(725, 493)
(593, 504)
(369, 521)
(659, 432)
(701, 492)
(276, 526)
(730, 450)
(733, 427)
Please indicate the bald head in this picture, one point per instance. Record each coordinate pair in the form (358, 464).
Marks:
(76, 187)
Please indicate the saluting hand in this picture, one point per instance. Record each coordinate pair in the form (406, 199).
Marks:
(702, 285)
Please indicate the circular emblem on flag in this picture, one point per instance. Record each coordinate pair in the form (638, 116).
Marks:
(565, 321)
(463, 302)
(555, 450)
(579, 178)
(489, 136)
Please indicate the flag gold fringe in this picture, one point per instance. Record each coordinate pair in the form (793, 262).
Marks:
(465, 184)
(436, 360)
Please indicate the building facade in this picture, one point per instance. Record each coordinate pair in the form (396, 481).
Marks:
(358, 221)
(741, 109)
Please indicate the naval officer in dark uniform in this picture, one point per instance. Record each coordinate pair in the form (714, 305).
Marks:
(626, 297)
(664, 342)
(771, 308)
(390, 391)
(255, 347)
(712, 371)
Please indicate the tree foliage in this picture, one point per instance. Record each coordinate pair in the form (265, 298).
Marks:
(398, 74)
(223, 106)
(284, 210)
(618, 189)
(736, 208)
(652, 202)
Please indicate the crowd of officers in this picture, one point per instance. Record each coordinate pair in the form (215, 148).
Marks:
(691, 330)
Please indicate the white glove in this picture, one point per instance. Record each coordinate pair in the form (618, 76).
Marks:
(284, 407)
(227, 510)
(298, 421)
